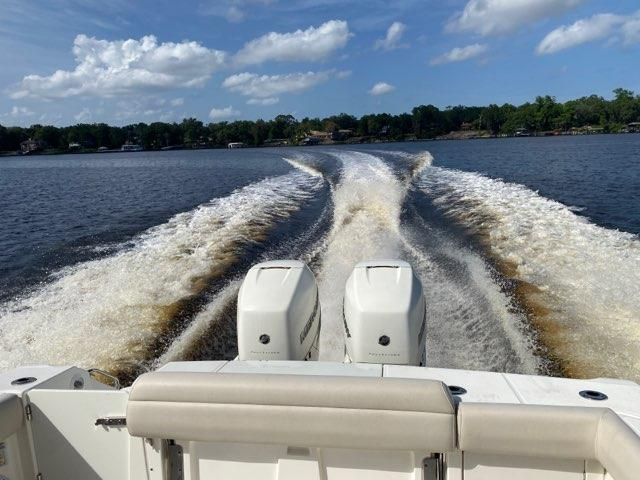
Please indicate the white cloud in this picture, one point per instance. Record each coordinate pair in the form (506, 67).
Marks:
(108, 68)
(495, 17)
(342, 74)
(310, 45)
(177, 102)
(232, 10)
(460, 54)
(631, 30)
(598, 27)
(83, 116)
(223, 113)
(17, 112)
(263, 101)
(269, 86)
(392, 40)
(381, 88)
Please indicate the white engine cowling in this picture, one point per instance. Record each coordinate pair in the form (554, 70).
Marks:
(278, 312)
(385, 314)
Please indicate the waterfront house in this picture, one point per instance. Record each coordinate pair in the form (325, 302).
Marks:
(236, 145)
(633, 127)
(320, 136)
(30, 146)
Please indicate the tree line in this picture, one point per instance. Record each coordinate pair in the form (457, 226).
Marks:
(544, 114)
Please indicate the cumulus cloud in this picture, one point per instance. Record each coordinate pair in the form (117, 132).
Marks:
(263, 101)
(270, 86)
(223, 113)
(310, 45)
(495, 17)
(381, 88)
(597, 27)
(460, 54)
(108, 68)
(177, 102)
(393, 38)
(582, 31)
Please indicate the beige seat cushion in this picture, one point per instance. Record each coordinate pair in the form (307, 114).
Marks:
(11, 415)
(315, 411)
(551, 432)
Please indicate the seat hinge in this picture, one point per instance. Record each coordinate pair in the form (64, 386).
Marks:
(28, 412)
(174, 455)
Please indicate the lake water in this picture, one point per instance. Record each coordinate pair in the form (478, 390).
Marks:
(528, 249)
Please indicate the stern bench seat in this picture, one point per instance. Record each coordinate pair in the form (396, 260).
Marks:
(308, 411)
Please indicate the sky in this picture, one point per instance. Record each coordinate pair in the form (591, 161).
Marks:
(64, 62)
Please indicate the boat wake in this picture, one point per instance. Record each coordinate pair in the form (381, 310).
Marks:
(170, 294)
(107, 312)
(470, 320)
(578, 280)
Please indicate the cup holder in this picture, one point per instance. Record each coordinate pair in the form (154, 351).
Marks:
(456, 390)
(23, 380)
(593, 395)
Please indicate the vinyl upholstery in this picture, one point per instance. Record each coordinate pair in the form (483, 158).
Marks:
(551, 432)
(314, 411)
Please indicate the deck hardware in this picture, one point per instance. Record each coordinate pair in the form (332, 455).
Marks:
(433, 467)
(456, 390)
(174, 455)
(28, 412)
(114, 379)
(264, 339)
(23, 380)
(593, 395)
(384, 340)
(78, 384)
(111, 422)
(39, 476)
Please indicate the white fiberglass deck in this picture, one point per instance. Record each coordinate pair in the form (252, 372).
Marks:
(285, 420)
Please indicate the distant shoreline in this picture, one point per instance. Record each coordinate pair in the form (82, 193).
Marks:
(452, 136)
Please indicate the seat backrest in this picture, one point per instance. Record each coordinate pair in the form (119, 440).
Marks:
(551, 432)
(311, 411)
(11, 415)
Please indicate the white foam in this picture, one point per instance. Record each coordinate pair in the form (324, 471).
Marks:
(105, 311)
(588, 276)
(470, 323)
(303, 164)
(366, 223)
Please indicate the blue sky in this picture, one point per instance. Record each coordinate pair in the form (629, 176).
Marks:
(120, 62)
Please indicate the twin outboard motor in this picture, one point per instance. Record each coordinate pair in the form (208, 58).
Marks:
(278, 312)
(385, 314)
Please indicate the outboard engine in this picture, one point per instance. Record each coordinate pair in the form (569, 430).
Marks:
(278, 312)
(385, 314)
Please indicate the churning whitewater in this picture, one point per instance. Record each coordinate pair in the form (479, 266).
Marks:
(106, 312)
(525, 284)
(580, 280)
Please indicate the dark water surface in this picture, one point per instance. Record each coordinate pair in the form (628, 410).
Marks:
(130, 260)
